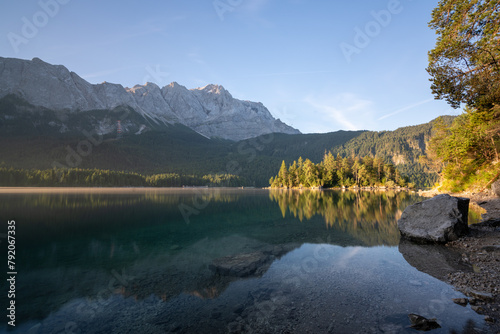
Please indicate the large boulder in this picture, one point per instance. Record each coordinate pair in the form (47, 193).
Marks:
(440, 219)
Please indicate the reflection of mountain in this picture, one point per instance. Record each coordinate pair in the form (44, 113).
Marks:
(368, 216)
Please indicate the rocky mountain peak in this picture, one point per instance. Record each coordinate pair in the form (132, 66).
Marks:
(38, 60)
(214, 89)
(148, 87)
(174, 84)
(209, 110)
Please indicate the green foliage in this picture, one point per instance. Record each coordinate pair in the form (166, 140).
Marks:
(467, 151)
(259, 157)
(465, 68)
(338, 172)
(465, 63)
(403, 147)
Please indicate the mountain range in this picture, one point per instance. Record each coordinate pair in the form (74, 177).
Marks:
(210, 110)
(50, 117)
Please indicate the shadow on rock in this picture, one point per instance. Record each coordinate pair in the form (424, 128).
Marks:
(435, 260)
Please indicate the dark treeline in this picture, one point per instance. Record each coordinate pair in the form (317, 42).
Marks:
(10, 177)
(339, 172)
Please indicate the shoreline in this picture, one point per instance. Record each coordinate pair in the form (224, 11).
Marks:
(480, 249)
(78, 189)
(131, 189)
(374, 188)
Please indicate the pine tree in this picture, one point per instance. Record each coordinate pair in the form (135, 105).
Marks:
(283, 175)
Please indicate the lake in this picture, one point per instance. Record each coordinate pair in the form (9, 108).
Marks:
(221, 261)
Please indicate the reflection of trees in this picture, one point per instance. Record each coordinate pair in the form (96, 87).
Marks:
(367, 215)
(91, 200)
(73, 216)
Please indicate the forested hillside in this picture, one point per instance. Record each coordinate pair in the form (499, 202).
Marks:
(405, 147)
(177, 149)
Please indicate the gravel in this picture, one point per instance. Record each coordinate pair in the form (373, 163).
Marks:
(481, 248)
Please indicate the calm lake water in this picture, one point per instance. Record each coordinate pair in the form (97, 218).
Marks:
(152, 261)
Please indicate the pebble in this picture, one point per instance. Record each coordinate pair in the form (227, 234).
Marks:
(461, 301)
(481, 250)
(477, 309)
(484, 296)
(489, 319)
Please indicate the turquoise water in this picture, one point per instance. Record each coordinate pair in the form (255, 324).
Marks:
(144, 261)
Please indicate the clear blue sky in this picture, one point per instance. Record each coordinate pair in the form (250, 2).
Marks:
(319, 66)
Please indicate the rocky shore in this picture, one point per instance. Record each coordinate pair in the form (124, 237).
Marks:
(481, 249)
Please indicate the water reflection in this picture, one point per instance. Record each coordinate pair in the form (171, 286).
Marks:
(435, 260)
(367, 215)
(130, 262)
(92, 198)
(475, 213)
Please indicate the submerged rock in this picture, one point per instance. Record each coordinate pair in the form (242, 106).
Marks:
(440, 219)
(421, 323)
(249, 264)
(240, 265)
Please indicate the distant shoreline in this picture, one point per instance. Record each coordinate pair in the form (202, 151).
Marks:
(97, 190)
(120, 190)
(345, 188)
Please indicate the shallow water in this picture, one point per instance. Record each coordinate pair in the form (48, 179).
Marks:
(141, 261)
